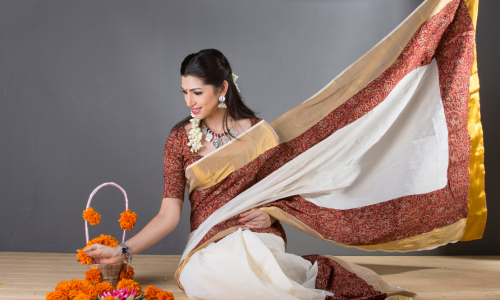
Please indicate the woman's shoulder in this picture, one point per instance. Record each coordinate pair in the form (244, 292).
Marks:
(176, 140)
(255, 120)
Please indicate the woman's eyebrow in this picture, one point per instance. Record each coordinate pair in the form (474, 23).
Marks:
(196, 88)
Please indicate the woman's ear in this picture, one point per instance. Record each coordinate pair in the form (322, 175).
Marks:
(224, 87)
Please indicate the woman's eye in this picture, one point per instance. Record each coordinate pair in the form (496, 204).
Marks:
(197, 93)
(183, 91)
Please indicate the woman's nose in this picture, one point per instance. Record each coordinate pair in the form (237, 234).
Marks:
(189, 101)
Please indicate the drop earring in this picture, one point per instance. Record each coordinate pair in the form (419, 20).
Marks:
(222, 104)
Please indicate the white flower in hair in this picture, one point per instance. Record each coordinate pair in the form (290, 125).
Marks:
(234, 80)
(195, 135)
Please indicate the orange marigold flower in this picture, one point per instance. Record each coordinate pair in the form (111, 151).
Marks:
(72, 294)
(109, 298)
(91, 216)
(163, 295)
(128, 275)
(55, 296)
(89, 290)
(127, 219)
(151, 292)
(77, 284)
(104, 286)
(63, 287)
(104, 240)
(82, 257)
(154, 293)
(130, 285)
(93, 275)
(82, 296)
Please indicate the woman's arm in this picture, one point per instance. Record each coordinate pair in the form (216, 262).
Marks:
(160, 226)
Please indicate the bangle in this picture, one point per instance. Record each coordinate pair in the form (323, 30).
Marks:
(125, 249)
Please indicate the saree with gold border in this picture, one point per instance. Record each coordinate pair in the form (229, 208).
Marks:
(388, 156)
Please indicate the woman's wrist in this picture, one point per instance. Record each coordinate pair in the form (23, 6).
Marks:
(119, 253)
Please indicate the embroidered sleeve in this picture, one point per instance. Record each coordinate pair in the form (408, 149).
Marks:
(173, 167)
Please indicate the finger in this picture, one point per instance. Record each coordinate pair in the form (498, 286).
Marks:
(93, 253)
(247, 212)
(90, 248)
(249, 217)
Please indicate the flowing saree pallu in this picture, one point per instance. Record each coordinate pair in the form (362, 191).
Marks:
(388, 156)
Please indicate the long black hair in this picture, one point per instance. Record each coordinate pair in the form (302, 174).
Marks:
(212, 68)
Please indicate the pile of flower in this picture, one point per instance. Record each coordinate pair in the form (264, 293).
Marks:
(92, 288)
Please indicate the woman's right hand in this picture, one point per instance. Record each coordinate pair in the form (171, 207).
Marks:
(101, 254)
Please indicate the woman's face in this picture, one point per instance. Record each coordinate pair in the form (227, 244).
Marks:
(199, 97)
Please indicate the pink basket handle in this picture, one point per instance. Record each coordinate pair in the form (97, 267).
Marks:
(90, 199)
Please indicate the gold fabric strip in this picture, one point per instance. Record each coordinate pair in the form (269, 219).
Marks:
(302, 117)
(429, 240)
(477, 196)
(216, 166)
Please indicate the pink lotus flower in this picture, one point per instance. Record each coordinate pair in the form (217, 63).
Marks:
(121, 294)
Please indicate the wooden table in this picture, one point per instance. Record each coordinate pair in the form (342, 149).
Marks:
(30, 275)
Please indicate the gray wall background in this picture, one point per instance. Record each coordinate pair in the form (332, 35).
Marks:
(90, 90)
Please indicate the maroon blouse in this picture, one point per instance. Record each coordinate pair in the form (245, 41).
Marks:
(176, 158)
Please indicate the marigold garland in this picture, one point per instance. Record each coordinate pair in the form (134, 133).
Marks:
(93, 275)
(104, 286)
(124, 274)
(127, 219)
(130, 285)
(103, 239)
(91, 216)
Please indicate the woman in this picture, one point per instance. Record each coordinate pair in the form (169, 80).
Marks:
(213, 97)
(377, 160)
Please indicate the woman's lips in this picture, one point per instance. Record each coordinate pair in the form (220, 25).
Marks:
(196, 110)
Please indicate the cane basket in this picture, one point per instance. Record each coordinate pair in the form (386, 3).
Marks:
(110, 272)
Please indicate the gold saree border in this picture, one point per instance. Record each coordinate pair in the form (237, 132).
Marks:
(429, 240)
(477, 196)
(216, 166)
(357, 76)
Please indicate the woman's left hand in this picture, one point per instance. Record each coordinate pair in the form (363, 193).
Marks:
(256, 219)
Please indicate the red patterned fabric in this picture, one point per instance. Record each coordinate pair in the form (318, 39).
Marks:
(332, 277)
